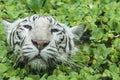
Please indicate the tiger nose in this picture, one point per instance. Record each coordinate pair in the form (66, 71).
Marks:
(40, 44)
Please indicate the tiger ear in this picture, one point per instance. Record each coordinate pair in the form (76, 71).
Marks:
(7, 24)
(78, 32)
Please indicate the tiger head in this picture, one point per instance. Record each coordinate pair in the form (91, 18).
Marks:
(41, 42)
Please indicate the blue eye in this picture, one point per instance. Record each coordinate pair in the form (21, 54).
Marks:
(28, 27)
(54, 30)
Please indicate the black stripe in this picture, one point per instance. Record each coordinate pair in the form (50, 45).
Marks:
(53, 46)
(17, 33)
(63, 30)
(15, 36)
(59, 25)
(27, 48)
(66, 42)
(21, 28)
(24, 20)
(22, 42)
(17, 43)
(13, 40)
(26, 44)
(51, 50)
(49, 19)
(63, 48)
(59, 33)
(70, 45)
(26, 52)
(56, 44)
(34, 17)
(10, 39)
(53, 55)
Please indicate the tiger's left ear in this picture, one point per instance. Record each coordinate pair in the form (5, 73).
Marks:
(7, 24)
(78, 32)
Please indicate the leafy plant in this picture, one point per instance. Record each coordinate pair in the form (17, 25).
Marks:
(35, 5)
(98, 59)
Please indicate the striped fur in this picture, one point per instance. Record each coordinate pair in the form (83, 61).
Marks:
(61, 44)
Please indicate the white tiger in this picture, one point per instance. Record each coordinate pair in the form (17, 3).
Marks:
(41, 42)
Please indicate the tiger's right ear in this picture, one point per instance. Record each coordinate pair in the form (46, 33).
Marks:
(78, 32)
(7, 24)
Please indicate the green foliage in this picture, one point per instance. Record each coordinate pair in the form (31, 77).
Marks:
(99, 58)
(35, 5)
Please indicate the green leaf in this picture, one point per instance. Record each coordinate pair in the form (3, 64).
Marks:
(52, 77)
(43, 77)
(36, 5)
(62, 77)
(116, 43)
(73, 75)
(14, 78)
(107, 73)
(3, 68)
(28, 78)
(113, 68)
(97, 34)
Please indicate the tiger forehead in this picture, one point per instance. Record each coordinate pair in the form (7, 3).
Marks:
(41, 20)
(32, 19)
(36, 17)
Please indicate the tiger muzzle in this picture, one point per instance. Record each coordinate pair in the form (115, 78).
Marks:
(40, 44)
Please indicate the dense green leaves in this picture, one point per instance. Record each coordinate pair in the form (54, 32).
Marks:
(99, 59)
(3, 68)
(35, 5)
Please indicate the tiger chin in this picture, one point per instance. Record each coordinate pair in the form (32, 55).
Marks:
(41, 42)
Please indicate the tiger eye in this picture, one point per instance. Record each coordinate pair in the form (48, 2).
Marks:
(54, 30)
(28, 27)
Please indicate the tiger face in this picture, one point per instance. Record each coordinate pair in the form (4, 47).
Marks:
(41, 42)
